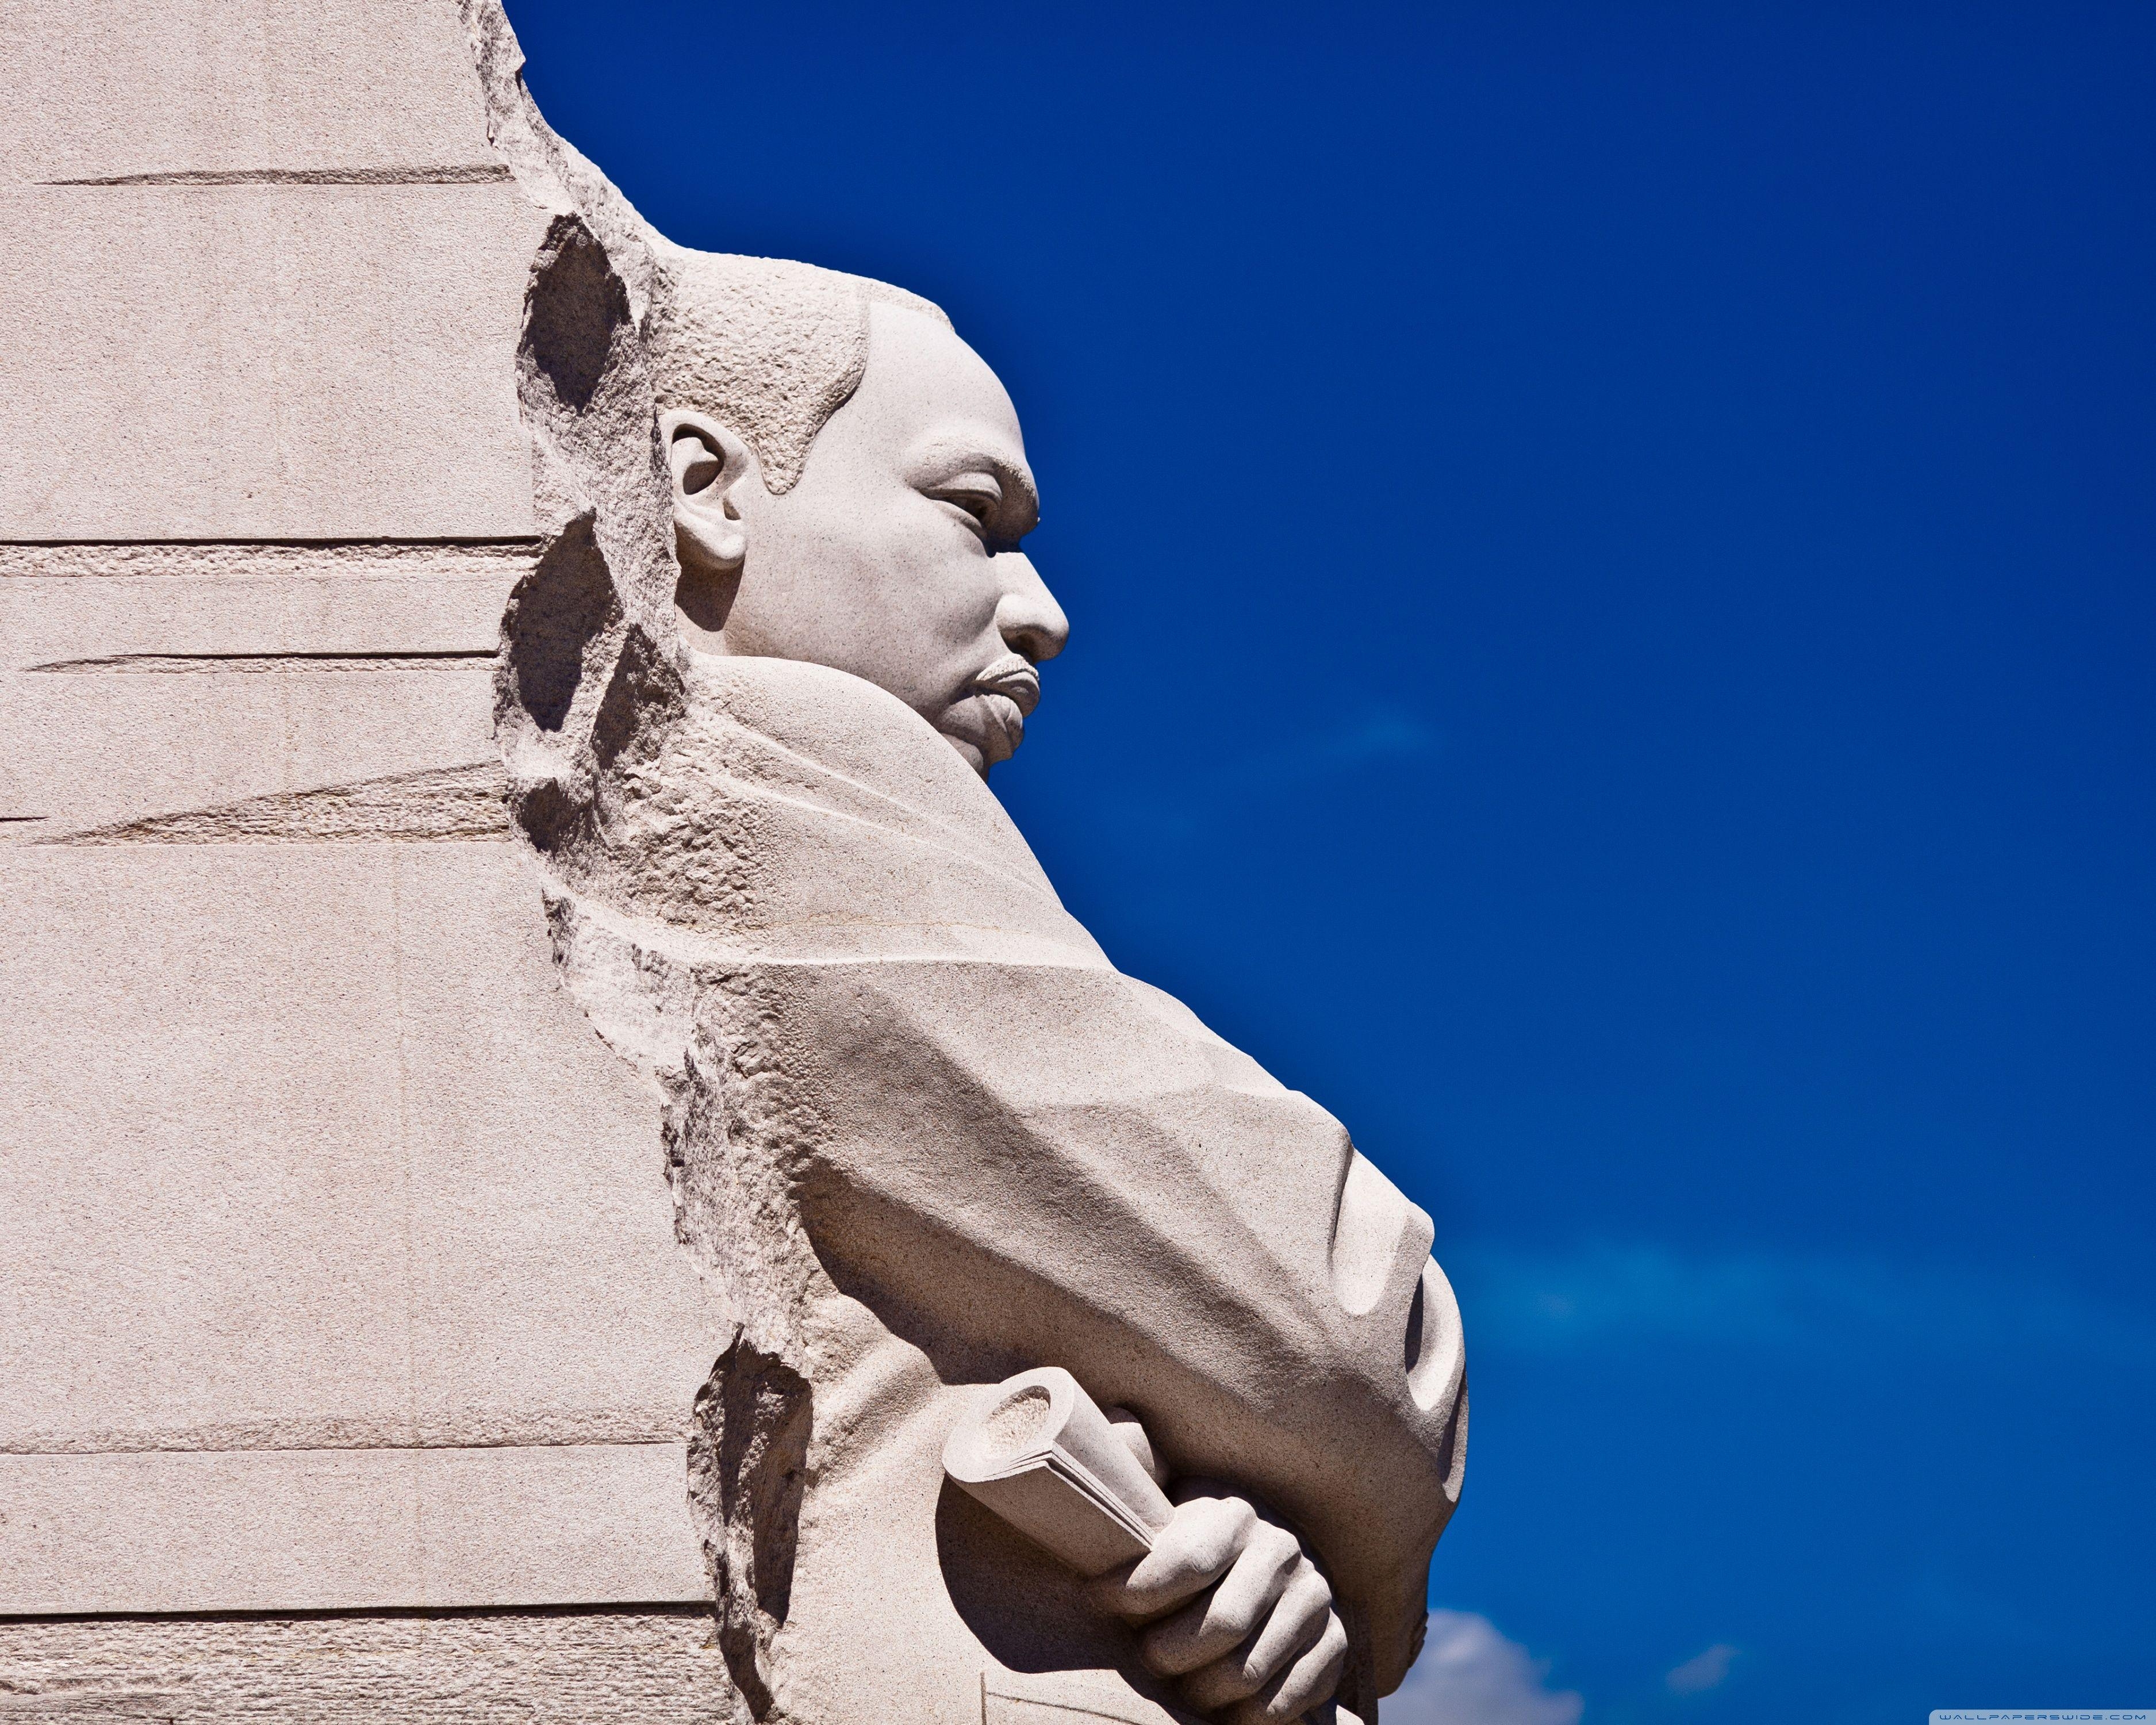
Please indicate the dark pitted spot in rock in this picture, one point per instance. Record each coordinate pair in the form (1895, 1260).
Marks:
(643, 692)
(551, 818)
(573, 310)
(748, 1458)
(556, 615)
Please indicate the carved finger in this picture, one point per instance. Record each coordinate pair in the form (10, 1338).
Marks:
(1221, 1619)
(1297, 1622)
(1193, 1551)
(1310, 1681)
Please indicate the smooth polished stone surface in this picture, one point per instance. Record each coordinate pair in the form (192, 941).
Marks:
(116, 89)
(291, 361)
(308, 1149)
(337, 1260)
(191, 1531)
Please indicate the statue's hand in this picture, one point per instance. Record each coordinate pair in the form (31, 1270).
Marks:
(1234, 1609)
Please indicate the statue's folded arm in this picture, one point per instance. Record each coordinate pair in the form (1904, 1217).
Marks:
(1023, 1165)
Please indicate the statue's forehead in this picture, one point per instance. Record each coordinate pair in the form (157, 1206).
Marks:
(920, 370)
(929, 401)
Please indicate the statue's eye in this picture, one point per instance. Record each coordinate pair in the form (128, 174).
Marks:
(977, 496)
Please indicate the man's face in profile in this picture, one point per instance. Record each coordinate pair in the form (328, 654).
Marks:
(894, 555)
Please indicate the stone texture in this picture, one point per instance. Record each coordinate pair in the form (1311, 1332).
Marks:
(537, 1064)
(202, 1529)
(59, 602)
(922, 1135)
(387, 1176)
(113, 742)
(380, 1186)
(494, 1668)
(113, 89)
(262, 362)
(336, 1260)
(153, 681)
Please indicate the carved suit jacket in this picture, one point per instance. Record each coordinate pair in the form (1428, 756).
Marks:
(923, 1134)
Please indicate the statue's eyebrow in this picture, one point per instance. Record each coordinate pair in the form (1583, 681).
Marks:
(956, 454)
(1021, 500)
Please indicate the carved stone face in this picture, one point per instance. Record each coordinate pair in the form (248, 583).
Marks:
(895, 557)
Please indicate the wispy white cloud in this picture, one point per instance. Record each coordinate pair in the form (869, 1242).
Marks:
(1372, 737)
(1554, 1302)
(1470, 1675)
(1379, 736)
(1702, 1672)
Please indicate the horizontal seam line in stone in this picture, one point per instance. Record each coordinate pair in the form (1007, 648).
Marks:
(102, 837)
(275, 1614)
(439, 542)
(475, 174)
(647, 1440)
(182, 664)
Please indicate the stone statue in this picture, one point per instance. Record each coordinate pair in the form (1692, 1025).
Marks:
(921, 1133)
(528, 628)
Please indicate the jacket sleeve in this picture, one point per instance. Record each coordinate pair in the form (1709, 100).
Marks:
(1020, 1165)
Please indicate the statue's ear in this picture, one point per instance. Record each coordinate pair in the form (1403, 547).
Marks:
(710, 466)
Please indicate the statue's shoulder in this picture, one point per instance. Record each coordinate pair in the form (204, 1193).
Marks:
(812, 814)
(831, 731)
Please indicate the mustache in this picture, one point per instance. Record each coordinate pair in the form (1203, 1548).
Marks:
(1013, 677)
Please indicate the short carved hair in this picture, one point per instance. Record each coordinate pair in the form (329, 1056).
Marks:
(770, 348)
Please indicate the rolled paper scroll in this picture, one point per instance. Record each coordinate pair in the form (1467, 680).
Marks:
(1038, 1452)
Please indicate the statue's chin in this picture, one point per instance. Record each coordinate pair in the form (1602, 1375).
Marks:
(985, 728)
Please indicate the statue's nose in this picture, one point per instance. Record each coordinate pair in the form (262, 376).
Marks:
(1027, 616)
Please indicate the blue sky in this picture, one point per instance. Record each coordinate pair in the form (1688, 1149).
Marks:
(1611, 551)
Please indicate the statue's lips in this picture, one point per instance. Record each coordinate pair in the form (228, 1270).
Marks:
(990, 715)
(1014, 679)
(1002, 725)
